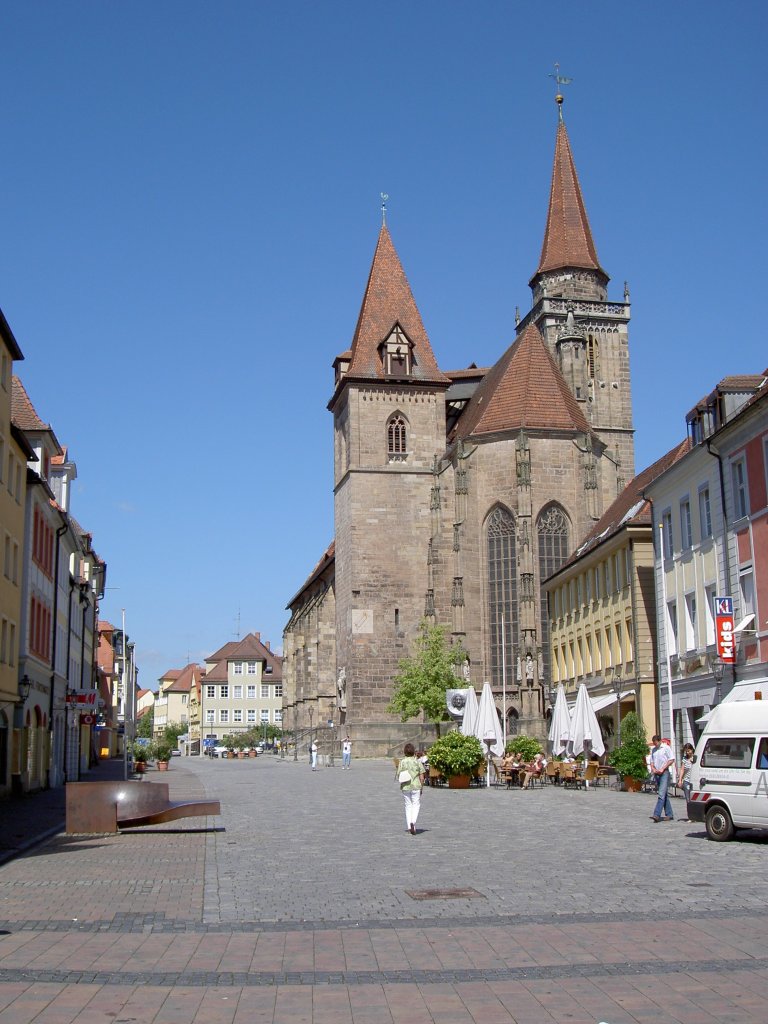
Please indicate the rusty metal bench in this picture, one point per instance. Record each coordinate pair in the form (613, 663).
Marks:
(109, 806)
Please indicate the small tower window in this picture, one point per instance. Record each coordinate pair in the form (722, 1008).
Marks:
(397, 354)
(397, 439)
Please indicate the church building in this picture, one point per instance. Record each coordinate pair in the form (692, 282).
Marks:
(458, 492)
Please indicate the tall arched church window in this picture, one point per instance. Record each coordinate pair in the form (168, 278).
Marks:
(502, 594)
(553, 531)
(593, 356)
(397, 439)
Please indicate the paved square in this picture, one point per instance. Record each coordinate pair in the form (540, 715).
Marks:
(295, 905)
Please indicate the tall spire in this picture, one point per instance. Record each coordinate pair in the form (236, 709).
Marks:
(567, 238)
(388, 303)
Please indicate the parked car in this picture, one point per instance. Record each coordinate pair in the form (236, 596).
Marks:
(730, 777)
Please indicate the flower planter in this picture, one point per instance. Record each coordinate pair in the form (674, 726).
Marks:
(162, 766)
(231, 753)
(459, 781)
(632, 785)
(140, 767)
(241, 754)
(251, 753)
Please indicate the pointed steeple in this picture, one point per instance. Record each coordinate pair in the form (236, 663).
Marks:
(388, 312)
(568, 239)
(524, 389)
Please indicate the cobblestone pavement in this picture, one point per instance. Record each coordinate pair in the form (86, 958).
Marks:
(308, 901)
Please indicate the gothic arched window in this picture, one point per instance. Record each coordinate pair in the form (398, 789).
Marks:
(552, 528)
(502, 594)
(397, 438)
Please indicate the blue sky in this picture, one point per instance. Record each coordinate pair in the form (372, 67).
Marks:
(189, 204)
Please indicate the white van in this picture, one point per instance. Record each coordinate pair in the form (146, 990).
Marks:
(730, 776)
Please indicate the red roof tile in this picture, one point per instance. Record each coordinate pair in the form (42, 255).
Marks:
(524, 389)
(567, 238)
(630, 506)
(388, 301)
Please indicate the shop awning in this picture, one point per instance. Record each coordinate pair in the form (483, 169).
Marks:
(604, 701)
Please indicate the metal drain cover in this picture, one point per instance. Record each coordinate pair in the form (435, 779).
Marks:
(444, 894)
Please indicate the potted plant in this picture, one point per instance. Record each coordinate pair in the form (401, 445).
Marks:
(457, 757)
(163, 756)
(229, 743)
(629, 759)
(141, 753)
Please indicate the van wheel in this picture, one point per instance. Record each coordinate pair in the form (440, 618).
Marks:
(719, 824)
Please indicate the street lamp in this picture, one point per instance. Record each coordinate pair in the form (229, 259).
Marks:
(717, 668)
(616, 684)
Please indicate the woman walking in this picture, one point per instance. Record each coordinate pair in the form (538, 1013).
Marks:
(684, 779)
(410, 775)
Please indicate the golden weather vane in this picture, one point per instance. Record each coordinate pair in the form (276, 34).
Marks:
(384, 198)
(559, 80)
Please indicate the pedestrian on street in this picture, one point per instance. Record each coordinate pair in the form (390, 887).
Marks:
(662, 759)
(346, 753)
(410, 776)
(684, 780)
(313, 755)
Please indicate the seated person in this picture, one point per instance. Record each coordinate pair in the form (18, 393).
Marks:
(533, 770)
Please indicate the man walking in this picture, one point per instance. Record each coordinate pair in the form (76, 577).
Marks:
(662, 759)
(346, 753)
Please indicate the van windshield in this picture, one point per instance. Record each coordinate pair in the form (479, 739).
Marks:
(726, 752)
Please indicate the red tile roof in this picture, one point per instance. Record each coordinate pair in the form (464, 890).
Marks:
(388, 301)
(630, 507)
(23, 413)
(567, 238)
(524, 389)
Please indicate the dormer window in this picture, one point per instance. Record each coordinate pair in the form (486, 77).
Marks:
(397, 439)
(397, 355)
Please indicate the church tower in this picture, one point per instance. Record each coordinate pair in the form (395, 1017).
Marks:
(585, 332)
(389, 425)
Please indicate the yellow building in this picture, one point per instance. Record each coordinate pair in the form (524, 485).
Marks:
(602, 610)
(14, 453)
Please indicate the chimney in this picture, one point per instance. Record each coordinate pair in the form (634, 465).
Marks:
(266, 644)
(257, 635)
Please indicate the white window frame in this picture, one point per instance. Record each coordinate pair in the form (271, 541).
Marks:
(237, 668)
(686, 524)
(691, 642)
(224, 716)
(264, 716)
(672, 628)
(252, 668)
(237, 691)
(210, 716)
(666, 533)
(210, 691)
(709, 608)
(250, 716)
(705, 513)
(251, 691)
(265, 691)
(237, 716)
(224, 691)
(740, 487)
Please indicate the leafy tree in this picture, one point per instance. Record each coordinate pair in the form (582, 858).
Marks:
(146, 725)
(423, 679)
(172, 731)
(526, 746)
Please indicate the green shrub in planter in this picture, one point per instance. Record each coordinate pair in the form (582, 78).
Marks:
(629, 758)
(456, 754)
(163, 751)
(526, 746)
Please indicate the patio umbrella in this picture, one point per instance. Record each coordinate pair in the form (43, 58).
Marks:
(585, 732)
(561, 722)
(470, 713)
(488, 727)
